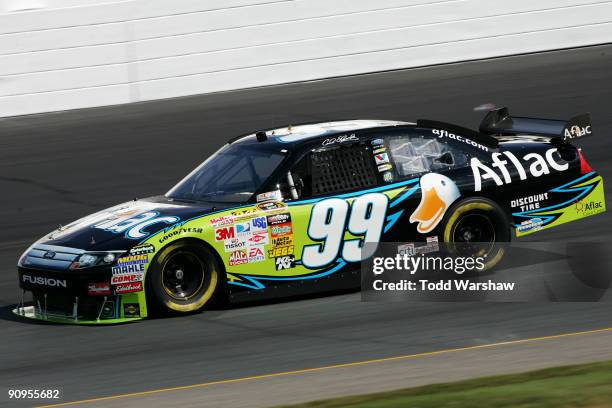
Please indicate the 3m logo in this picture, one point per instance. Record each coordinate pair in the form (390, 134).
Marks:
(222, 234)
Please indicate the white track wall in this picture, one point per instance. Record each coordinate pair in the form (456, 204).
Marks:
(66, 54)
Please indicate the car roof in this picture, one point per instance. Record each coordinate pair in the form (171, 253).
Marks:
(310, 131)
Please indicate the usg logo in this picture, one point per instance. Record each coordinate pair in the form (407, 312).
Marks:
(39, 280)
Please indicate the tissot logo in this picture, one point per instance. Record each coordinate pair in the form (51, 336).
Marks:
(39, 280)
(533, 164)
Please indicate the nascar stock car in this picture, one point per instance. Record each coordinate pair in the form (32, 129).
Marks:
(287, 211)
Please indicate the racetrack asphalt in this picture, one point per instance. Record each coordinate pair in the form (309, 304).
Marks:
(57, 167)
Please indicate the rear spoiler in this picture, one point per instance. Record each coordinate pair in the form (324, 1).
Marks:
(500, 122)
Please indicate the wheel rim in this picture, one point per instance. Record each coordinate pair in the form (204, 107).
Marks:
(476, 233)
(183, 275)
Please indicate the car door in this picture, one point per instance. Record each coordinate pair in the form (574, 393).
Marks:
(332, 207)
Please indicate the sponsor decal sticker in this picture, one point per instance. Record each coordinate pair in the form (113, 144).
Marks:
(238, 257)
(133, 260)
(279, 218)
(127, 269)
(131, 310)
(258, 238)
(244, 212)
(222, 221)
(256, 254)
(445, 134)
(384, 167)
(179, 231)
(98, 288)
(284, 262)
(281, 230)
(388, 177)
(127, 278)
(128, 288)
(379, 150)
(142, 249)
(233, 244)
(225, 233)
(243, 230)
(135, 227)
(438, 192)
(534, 224)
(577, 131)
(531, 165)
(410, 249)
(381, 158)
(259, 224)
(280, 251)
(286, 240)
(271, 206)
(275, 195)
(531, 202)
(588, 208)
(377, 142)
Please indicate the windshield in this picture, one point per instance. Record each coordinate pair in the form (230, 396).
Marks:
(231, 175)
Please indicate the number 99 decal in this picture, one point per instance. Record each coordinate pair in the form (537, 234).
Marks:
(328, 223)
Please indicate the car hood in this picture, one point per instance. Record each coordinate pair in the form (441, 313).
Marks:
(124, 225)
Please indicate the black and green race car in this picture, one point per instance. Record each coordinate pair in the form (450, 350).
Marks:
(287, 211)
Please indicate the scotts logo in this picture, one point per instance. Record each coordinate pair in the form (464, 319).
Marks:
(438, 192)
(577, 131)
(532, 163)
(134, 227)
(39, 280)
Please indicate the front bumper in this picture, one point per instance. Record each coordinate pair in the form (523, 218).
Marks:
(75, 296)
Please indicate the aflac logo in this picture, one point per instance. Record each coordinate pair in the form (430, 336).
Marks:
(134, 226)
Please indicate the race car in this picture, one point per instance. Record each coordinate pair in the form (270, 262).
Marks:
(287, 211)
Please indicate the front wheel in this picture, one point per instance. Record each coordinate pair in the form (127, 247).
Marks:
(184, 277)
(477, 227)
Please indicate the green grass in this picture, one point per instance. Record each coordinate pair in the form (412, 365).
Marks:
(588, 385)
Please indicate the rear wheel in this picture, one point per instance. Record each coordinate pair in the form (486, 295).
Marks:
(477, 227)
(184, 277)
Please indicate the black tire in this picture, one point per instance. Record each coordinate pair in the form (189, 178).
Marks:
(184, 277)
(477, 227)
